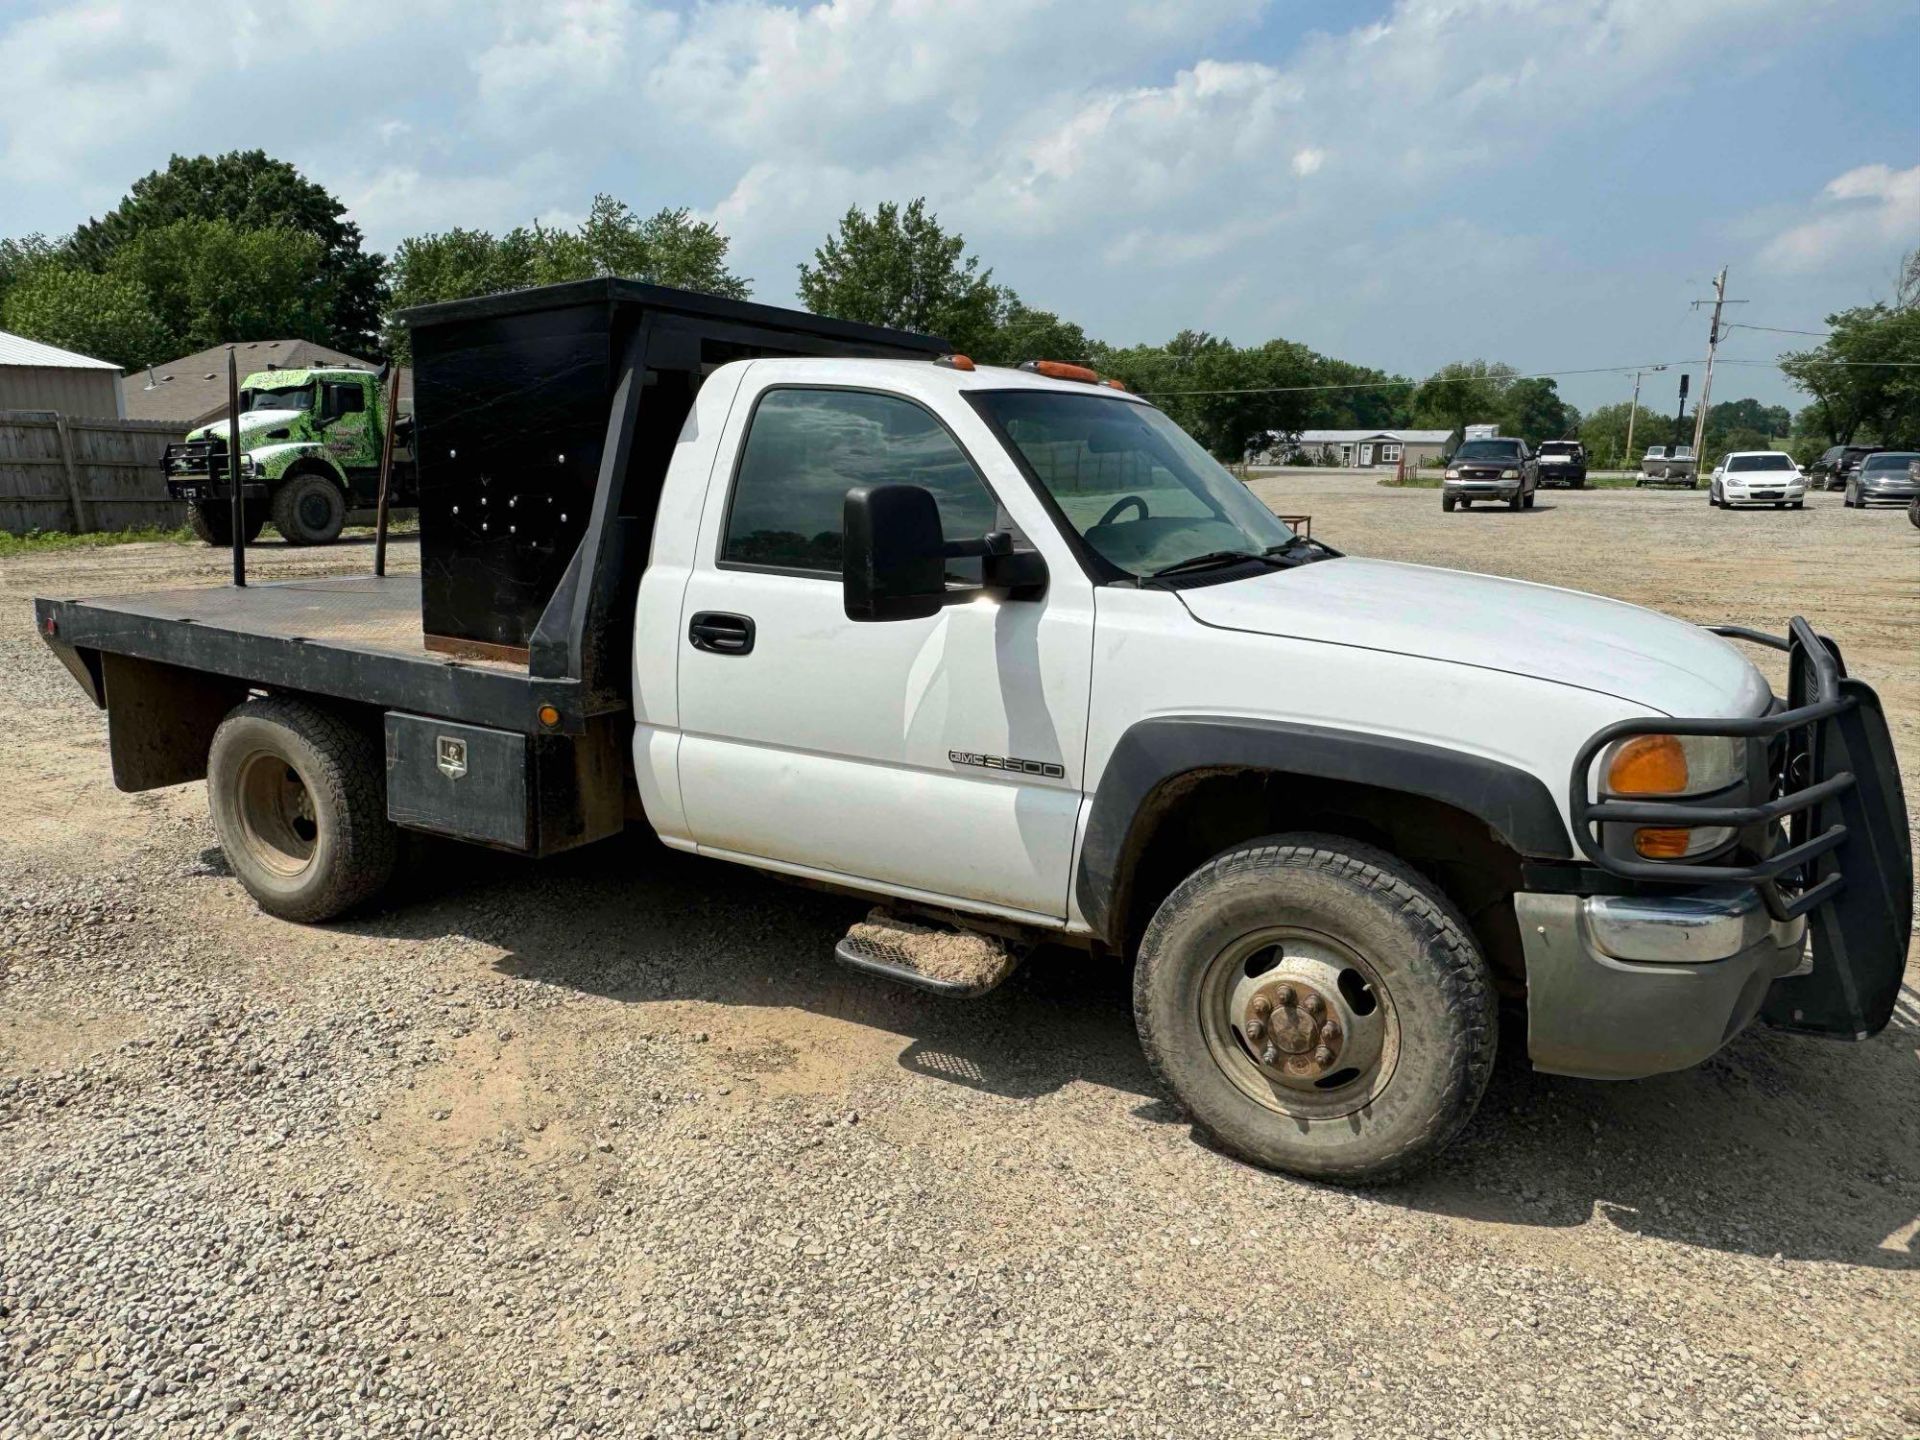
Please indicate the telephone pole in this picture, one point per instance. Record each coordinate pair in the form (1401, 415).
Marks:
(1633, 412)
(1706, 384)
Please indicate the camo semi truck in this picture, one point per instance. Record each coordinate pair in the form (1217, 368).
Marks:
(310, 443)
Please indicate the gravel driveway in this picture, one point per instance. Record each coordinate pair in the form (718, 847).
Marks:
(608, 1146)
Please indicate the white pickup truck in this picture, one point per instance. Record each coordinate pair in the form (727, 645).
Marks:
(1006, 651)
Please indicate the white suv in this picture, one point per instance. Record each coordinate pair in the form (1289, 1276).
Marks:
(1757, 477)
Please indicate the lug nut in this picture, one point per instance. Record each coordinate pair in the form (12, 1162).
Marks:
(1287, 995)
(1270, 1056)
(1315, 1004)
(1323, 1056)
(1262, 1006)
(1256, 1028)
(1330, 1032)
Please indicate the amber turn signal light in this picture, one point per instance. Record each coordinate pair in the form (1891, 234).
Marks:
(549, 716)
(1649, 765)
(1060, 370)
(1662, 844)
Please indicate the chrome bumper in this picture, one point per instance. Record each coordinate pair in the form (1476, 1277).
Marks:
(1624, 986)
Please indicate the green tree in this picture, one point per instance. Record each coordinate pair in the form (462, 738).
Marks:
(1865, 377)
(1533, 410)
(666, 248)
(210, 281)
(105, 316)
(1228, 398)
(1022, 333)
(1748, 414)
(250, 190)
(1465, 392)
(899, 267)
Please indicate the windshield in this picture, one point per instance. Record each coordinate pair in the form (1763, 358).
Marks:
(1890, 460)
(1551, 451)
(1759, 462)
(1137, 488)
(1488, 450)
(290, 397)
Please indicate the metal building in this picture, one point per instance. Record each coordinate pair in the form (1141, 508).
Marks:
(44, 377)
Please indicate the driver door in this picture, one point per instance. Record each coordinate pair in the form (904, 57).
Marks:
(937, 757)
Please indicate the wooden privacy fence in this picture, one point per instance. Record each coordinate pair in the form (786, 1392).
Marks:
(79, 473)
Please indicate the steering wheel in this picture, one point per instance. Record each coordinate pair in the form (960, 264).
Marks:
(1122, 503)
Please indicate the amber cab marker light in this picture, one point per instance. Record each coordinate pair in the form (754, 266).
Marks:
(1060, 370)
(1648, 765)
(1114, 384)
(956, 362)
(549, 716)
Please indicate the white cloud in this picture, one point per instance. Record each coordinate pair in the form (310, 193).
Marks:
(1868, 208)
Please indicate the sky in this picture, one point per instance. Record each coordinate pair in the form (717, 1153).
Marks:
(1398, 183)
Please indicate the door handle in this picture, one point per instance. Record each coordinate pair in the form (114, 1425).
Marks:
(719, 633)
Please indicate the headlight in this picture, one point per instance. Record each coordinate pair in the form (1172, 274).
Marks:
(1453, 474)
(1509, 474)
(1674, 766)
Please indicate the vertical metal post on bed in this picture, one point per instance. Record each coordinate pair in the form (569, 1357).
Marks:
(239, 506)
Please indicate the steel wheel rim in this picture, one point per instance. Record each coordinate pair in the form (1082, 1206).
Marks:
(316, 510)
(277, 821)
(1311, 963)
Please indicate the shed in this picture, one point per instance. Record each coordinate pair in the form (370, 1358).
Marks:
(34, 376)
(192, 390)
(1362, 449)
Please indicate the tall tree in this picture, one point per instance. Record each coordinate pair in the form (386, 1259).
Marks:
(1865, 377)
(250, 190)
(105, 316)
(1465, 392)
(666, 248)
(1022, 333)
(1534, 410)
(211, 281)
(899, 267)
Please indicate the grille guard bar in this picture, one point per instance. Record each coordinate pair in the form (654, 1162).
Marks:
(1815, 696)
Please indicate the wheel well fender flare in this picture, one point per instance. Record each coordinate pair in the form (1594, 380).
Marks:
(1514, 804)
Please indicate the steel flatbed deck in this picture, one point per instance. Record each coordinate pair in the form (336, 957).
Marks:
(356, 637)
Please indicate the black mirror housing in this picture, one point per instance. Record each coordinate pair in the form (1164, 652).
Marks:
(893, 561)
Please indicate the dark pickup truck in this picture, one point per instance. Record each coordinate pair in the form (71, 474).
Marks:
(1563, 462)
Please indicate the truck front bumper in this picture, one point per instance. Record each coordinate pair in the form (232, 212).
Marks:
(1624, 986)
(1481, 489)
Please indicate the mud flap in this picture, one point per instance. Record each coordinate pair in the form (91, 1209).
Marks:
(1860, 937)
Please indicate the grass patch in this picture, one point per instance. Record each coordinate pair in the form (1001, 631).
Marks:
(35, 542)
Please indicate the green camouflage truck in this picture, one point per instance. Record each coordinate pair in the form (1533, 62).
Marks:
(309, 457)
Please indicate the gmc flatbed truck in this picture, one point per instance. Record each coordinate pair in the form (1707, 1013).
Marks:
(1007, 652)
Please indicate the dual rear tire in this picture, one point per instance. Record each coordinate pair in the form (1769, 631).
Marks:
(298, 795)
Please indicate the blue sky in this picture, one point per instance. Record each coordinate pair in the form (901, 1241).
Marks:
(1545, 182)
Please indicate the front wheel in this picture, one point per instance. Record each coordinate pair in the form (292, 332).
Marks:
(1447, 503)
(1318, 1007)
(309, 510)
(299, 804)
(214, 523)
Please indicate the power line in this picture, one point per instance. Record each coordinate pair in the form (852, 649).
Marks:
(1778, 329)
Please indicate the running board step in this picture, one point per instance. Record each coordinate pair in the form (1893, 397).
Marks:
(956, 963)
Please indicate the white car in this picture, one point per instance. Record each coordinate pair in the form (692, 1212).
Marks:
(1757, 477)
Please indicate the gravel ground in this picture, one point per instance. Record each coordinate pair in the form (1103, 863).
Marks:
(609, 1146)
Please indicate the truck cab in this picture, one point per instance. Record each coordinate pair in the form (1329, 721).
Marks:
(1006, 653)
(310, 450)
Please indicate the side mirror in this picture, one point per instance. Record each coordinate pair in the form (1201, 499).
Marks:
(892, 565)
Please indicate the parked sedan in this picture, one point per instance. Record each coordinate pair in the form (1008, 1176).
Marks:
(1886, 475)
(1757, 477)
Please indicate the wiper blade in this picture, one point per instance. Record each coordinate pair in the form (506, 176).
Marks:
(1208, 561)
(1294, 543)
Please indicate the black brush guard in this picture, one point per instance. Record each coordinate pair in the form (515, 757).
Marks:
(1845, 860)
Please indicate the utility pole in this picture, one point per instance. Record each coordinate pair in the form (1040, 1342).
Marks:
(1633, 412)
(1706, 384)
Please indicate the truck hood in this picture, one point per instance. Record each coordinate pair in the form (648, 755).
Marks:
(1561, 636)
(252, 422)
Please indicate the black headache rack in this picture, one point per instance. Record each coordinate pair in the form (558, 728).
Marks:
(1841, 854)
